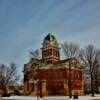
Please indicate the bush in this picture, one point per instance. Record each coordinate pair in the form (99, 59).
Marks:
(6, 95)
(16, 92)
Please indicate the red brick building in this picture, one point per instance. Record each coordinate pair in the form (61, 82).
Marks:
(52, 75)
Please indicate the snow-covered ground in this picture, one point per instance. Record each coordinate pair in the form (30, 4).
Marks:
(97, 97)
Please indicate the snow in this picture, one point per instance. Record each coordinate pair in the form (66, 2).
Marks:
(88, 97)
(20, 98)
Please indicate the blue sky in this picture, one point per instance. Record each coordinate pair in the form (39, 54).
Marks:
(24, 24)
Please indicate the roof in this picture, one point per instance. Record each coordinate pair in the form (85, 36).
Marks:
(66, 60)
(50, 37)
(50, 40)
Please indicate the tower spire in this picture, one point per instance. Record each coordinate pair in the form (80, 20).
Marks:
(50, 49)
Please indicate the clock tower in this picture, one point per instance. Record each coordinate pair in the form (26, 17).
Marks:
(50, 49)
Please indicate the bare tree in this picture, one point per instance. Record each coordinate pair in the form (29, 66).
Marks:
(71, 50)
(8, 75)
(96, 71)
(89, 57)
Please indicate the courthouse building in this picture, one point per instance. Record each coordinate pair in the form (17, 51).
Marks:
(50, 75)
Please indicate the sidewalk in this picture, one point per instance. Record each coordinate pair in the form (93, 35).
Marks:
(88, 97)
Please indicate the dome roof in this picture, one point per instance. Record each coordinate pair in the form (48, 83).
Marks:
(50, 39)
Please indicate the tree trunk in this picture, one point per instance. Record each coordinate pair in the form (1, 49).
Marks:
(40, 87)
(5, 91)
(96, 84)
(69, 82)
(92, 88)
